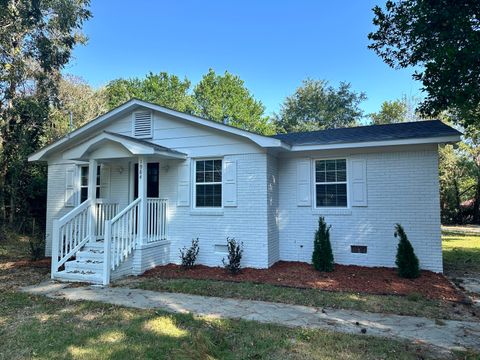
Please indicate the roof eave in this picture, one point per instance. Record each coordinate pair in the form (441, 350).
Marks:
(418, 141)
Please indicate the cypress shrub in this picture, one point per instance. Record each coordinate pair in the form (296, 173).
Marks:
(406, 261)
(322, 257)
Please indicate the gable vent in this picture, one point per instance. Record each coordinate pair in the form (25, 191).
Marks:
(142, 124)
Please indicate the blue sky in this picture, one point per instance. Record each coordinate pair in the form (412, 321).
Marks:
(271, 45)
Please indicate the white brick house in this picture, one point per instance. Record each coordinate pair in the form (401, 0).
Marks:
(149, 179)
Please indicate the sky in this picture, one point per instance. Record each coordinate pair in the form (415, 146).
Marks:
(271, 45)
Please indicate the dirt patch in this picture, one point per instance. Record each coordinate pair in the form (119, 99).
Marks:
(17, 273)
(377, 280)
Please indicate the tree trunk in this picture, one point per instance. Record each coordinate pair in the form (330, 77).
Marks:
(476, 207)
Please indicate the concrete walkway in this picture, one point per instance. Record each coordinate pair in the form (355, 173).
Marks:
(446, 335)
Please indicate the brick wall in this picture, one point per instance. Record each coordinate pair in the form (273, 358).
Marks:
(402, 188)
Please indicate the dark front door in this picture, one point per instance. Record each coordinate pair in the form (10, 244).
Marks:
(153, 184)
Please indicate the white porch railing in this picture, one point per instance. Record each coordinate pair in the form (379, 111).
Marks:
(70, 233)
(104, 211)
(156, 220)
(120, 238)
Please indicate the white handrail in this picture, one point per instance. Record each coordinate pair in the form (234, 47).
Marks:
(120, 238)
(69, 234)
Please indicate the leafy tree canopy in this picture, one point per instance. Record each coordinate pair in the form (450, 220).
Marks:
(391, 112)
(225, 98)
(162, 89)
(441, 39)
(78, 98)
(36, 42)
(316, 106)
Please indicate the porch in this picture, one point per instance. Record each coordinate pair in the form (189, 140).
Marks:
(97, 240)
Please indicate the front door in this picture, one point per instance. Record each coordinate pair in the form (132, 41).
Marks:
(153, 183)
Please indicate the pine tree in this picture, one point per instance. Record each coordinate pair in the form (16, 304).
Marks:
(407, 261)
(322, 257)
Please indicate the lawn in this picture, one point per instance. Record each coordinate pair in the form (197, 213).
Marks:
(461, 253)
(51, 329)
(42, 328)
(37, 327)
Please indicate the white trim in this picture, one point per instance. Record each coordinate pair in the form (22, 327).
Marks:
(435, 140)
(331, 209)
(135, 148)
(214, 210)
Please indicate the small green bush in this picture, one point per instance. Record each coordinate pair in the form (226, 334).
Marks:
(406, 261)
(322, 257)
(189, 256)
(235, 251)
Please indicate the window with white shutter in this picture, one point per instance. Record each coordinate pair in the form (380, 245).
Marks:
(142, 124)
(70, 186)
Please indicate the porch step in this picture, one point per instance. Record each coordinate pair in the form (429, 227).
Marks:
(90, 254)
(84, 265)
(79, 276)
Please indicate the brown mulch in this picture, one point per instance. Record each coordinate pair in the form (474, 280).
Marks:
(371, 280)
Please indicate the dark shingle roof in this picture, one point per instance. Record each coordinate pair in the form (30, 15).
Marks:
(408, 130)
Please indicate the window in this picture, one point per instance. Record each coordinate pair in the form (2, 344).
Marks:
(358, 249)
(331, 183)
(208, 183)
(84, 183)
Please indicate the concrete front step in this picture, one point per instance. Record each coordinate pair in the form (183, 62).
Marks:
(79, 276)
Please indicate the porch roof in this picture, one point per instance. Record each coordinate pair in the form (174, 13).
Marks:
(112, 145)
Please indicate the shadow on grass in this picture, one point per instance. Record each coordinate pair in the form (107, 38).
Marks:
(50, 329)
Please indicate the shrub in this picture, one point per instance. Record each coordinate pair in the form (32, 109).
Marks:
(36, 247)
(322, 257)
(189, 256)
(407, 261)
(235, 251)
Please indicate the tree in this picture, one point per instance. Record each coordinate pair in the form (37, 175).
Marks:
(316, 106)
(162, 89)
(77, 98)
(226, 99)
(406, 260)
(36, 41)
(441, 39)
(322, 257)
(391, 112)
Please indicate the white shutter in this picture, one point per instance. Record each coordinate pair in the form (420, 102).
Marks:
(359, 182)
(183, 184)
(142, 124)
(229, 183)
(104, 182)
(303, 183)
(70, 186)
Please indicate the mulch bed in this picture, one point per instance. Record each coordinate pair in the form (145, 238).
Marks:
(377, 280)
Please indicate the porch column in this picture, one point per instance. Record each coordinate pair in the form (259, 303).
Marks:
(142, 194)
(92, 191)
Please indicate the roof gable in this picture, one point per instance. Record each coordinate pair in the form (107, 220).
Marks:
(99, 123)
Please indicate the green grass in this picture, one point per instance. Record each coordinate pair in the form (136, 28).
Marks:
(461, 252)
(408, 305)
(40, 328)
